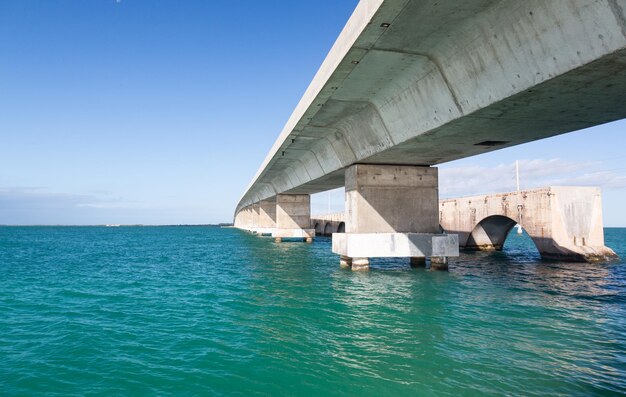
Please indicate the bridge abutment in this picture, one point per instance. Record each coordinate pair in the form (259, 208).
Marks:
(391, 211)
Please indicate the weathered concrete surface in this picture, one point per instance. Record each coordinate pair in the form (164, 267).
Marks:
(391, 199)
(293, 216)
(565, 223)
(446, 80)
(391, 211)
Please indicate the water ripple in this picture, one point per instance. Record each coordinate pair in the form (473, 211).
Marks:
(198, 310)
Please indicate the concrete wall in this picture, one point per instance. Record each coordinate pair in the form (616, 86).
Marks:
(564, 222)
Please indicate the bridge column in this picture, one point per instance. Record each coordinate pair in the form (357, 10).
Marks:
(254, 217)
(244, 219)
(293, 217)
(392, 211)
(266, 216)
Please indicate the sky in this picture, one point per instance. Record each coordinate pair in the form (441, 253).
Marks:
(161, 112)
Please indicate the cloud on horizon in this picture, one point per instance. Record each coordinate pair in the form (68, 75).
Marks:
(39, 206)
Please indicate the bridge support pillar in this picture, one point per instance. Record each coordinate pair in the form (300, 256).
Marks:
(245, 219)
(392, 211)
(265, 217)
(254, 220)
(293, 217)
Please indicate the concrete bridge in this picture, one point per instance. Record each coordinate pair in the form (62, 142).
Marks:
(564, 222)
(327, 224)
(410, 84)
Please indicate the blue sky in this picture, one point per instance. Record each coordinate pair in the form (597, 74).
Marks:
(160, 112)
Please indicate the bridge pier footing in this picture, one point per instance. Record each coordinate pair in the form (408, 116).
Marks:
(360, 264)
(345, 262)
(418, 261)
(391, 211)
(438, 263)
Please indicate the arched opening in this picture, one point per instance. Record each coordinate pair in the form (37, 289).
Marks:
(519, 242)
(328, 229)
(341, 228)
(318, 228)
(492, 232)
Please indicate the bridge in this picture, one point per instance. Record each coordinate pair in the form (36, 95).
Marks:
(411, 84)
(327, 224)
(564, 222)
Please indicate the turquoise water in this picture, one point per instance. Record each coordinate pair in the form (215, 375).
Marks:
(209, 311)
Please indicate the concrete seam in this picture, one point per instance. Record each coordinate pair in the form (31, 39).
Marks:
(305, 169)
(344, 138)
(268, 183)
(439, 68)
(316, 159)
(382, 121)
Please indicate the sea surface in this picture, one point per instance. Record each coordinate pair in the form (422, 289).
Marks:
(210, 311)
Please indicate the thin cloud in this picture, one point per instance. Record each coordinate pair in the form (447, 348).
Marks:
(19, 198)
(38, 205)
(471, 180)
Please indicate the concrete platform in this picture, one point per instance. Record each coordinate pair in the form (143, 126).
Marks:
(293, 233)
(390, 245)
(263, 231)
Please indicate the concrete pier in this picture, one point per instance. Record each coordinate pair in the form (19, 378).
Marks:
(391, 211)
(266, 217)
(564, 222)
(293, 217)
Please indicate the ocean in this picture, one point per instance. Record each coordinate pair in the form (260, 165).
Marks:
(214, 311)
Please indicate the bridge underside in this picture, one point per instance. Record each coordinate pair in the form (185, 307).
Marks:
(426, 82)
(528, 116)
